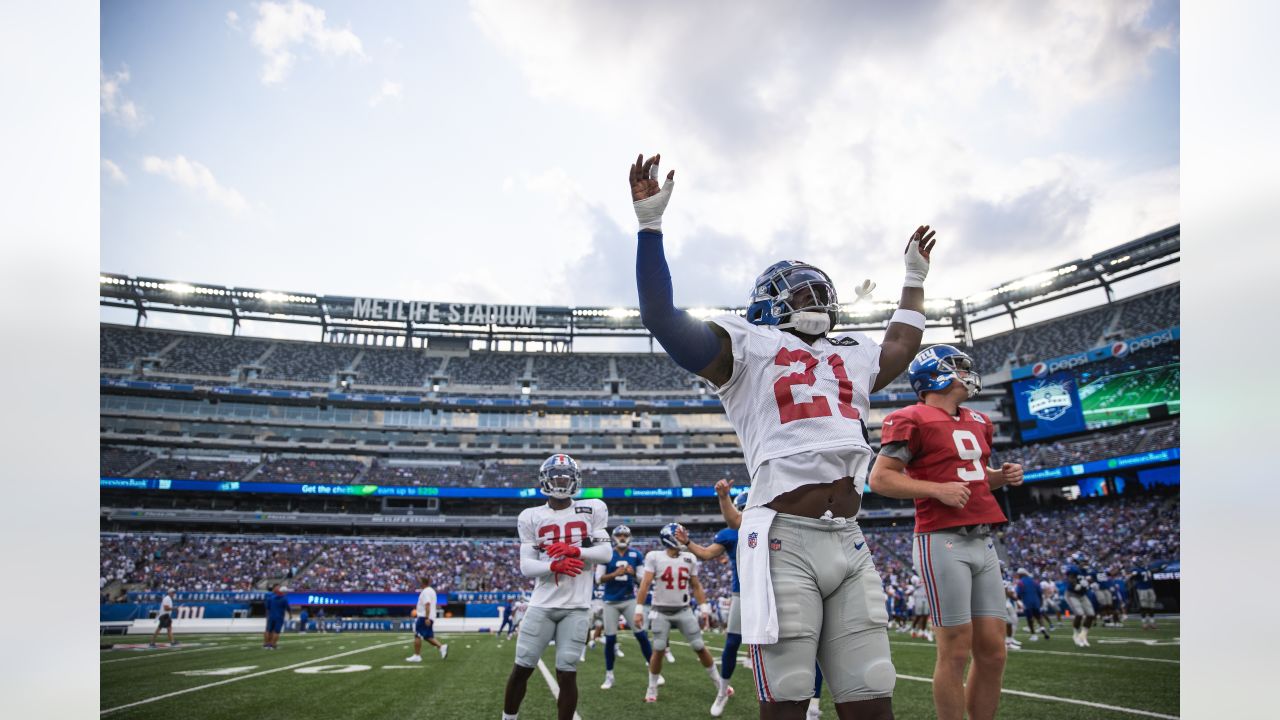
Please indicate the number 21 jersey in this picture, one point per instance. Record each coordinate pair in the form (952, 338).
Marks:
(541, 526)
(786, 396)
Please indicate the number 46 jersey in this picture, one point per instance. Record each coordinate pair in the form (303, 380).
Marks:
(786, 396)
(671, 577)
(937, 447)
(541, 526)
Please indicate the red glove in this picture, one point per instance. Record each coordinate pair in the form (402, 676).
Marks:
(567, 566)
(562, 549)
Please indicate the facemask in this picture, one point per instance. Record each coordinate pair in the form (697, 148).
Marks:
(811, 323)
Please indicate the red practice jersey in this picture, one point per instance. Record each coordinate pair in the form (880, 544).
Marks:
(944, 449)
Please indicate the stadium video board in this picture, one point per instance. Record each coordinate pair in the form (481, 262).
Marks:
(1081, 398)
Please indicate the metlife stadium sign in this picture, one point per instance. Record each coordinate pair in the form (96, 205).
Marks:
(1120, 348)
(450, 313)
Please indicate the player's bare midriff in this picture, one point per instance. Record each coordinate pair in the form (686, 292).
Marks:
(840, 497)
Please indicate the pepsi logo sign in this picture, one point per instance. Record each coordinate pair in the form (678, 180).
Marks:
(1119, 348)
(1040, 370)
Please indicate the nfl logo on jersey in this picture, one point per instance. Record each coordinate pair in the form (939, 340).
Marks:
(752, 539)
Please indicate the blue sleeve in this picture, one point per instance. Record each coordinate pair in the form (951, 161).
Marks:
(688, 340)
(727, 537)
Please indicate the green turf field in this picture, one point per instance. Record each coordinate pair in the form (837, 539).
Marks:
(363, 675)
(1127, 397)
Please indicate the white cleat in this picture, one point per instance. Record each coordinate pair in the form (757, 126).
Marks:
(583, 657)
(928, 635)
(608, 682)
(651, 695)
(444, 651)
(717, 707)
(670, 658)
(617, 652)
(413, 658)
(661, 681)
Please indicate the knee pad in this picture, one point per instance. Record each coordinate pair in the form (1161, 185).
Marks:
(792, 683)
(876, 679)
(697, 643)
(566, 659)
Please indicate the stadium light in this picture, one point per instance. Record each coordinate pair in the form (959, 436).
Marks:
(702, 313)
(178, 288)
(619, 313)
(273, 297)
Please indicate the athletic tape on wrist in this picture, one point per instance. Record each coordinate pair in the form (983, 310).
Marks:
(908, 317)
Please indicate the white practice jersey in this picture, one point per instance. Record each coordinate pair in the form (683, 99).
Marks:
(541, 526)
(1047, 589)
(427, 603)
(671, 577)
(787, 397)
(726, 604)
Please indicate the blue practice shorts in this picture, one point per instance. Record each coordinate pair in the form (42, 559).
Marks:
(275, 625)
(423, 630)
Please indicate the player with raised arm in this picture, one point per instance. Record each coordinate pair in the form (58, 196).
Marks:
(425, 618)
(936, 452)
(619, 580)
(557, 540)
(724, 543)
(672, 573)
(797, 394)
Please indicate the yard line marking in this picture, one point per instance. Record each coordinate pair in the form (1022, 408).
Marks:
(555, 686)
(246, 677)
(1070, 701)
(1090, 656)
(167, 653)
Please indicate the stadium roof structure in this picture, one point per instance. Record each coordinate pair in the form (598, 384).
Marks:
(382, 321)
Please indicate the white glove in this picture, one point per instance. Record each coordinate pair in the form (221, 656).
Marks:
(917, 266)
(864, 290)
(649, 210)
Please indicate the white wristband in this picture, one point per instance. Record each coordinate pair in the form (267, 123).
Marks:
(908, 317)
(649, 210)
(639, 609)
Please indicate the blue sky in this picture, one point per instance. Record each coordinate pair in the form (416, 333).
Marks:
(476, 151)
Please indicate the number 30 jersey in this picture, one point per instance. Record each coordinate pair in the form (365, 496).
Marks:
(541, 526)
(945, 449)
(671, 577)
(786, 397)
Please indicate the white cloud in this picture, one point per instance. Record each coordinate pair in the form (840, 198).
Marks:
(114, 104)
(233, 20)
(389, 91)
(114, 172)
(829, 131)
(282, 28)
(195, 176)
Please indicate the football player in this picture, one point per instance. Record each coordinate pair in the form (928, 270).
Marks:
(724, 543)
(1032, 600)
(936, 452)
(596, 622)
(1141, 578)
(557, 540)
(1082, 612)
(797, 395)
(619, 579)
(672, 573)
(920, 617)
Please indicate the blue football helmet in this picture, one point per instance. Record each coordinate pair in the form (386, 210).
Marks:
(740, 502)
(668, 536)
(559, 477)
(773, 299)
(622, 537)
(934, 369)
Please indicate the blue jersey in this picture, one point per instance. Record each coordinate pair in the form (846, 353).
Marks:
(623, 587)
(1029, 591)
(1142, 578)
(1081, 583)
(728, 537)
(276, 606)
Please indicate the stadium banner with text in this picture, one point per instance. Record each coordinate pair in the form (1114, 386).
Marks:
(1119, 348)
(393, 490)
(1103, 466)
(1048, 406)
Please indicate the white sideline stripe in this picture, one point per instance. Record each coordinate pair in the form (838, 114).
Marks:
(1070, 701)
(246, 677)
(555, 686)
(1025, 649)
(184, 651)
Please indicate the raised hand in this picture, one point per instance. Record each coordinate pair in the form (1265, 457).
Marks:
(722, 487)
(682, 536)
(648, 199)
(916, 255)
(952, 494)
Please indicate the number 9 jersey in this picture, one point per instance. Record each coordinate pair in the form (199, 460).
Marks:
(937, 447)
(786, 397)
(541, 526)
